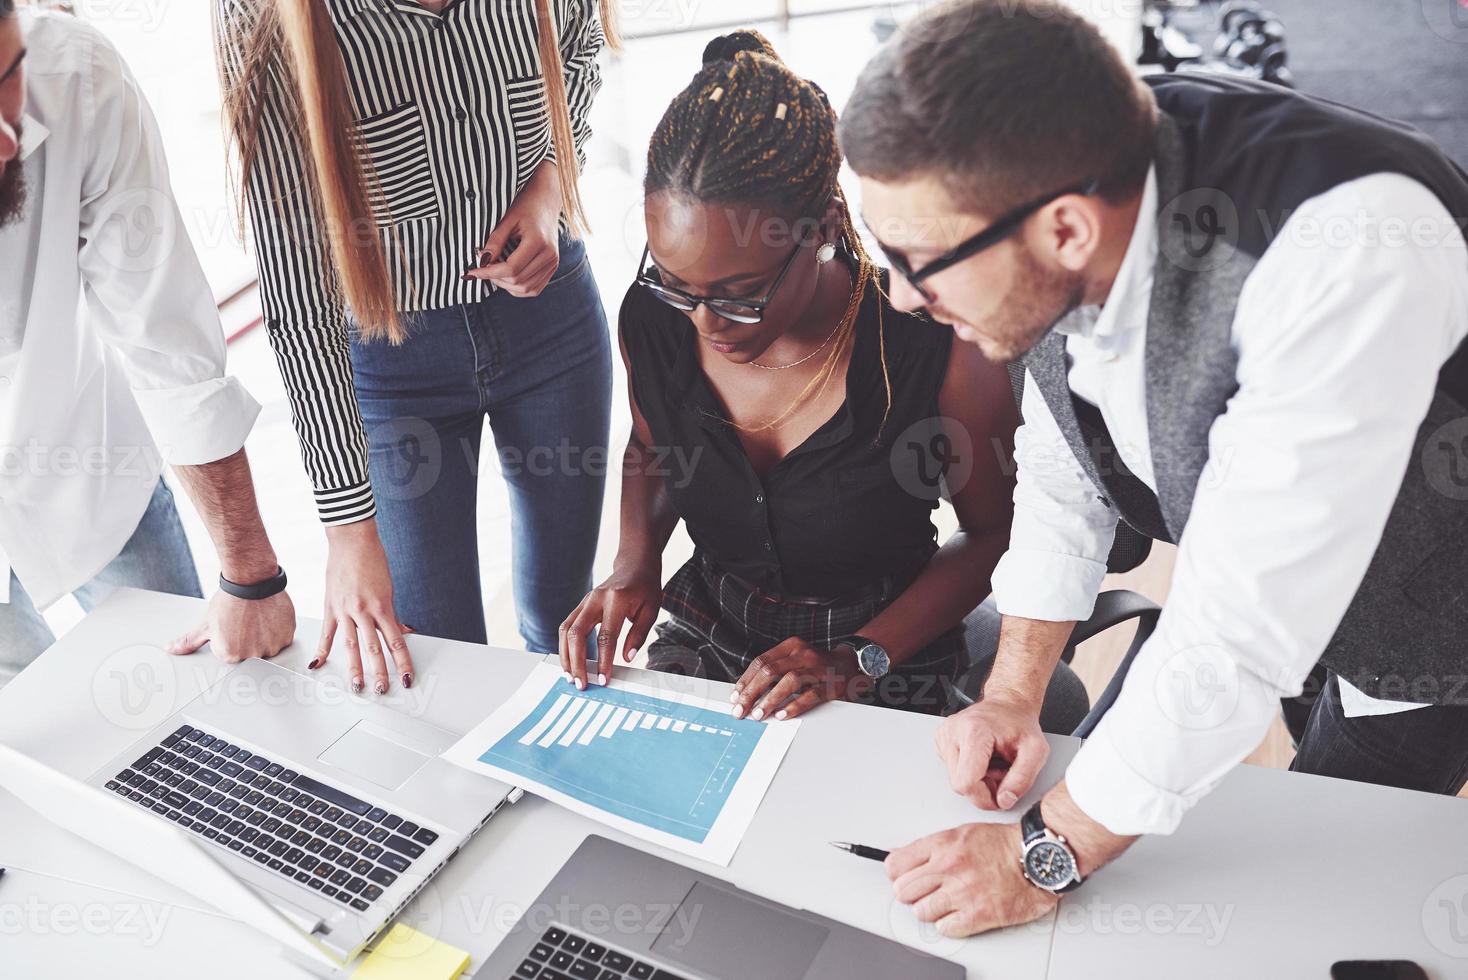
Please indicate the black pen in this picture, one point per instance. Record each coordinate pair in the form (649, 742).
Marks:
(861, 850)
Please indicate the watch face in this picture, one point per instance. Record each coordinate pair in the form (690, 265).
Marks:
(1049, 865)
(873, 660)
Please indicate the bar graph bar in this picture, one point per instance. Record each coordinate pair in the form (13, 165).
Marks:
(666, 764)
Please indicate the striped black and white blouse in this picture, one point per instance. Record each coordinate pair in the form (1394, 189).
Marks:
(452, 115)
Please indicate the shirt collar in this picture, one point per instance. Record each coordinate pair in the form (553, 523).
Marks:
(32, 134)
(1126, 305)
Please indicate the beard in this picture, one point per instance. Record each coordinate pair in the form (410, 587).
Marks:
(12, 193)
(1037, 299)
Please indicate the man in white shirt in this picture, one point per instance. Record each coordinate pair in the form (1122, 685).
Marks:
(110, 340)
(1242, 314)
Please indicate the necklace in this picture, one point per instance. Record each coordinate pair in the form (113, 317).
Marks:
(786, 367)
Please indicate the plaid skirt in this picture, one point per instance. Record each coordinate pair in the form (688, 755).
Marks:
(718, 624)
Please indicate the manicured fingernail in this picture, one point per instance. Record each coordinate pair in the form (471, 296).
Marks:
(580, 684)
(780, 714)
(733, 696)
(630, 655)
(757, 713)
(356, 686)
(407, 680)
(314, 664)
(601, 679)
(380, 687)
(1006, 799)
(739, 711)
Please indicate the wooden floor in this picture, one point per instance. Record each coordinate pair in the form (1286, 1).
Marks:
(1096, 659)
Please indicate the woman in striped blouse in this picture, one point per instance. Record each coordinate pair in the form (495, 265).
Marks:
(409, 168)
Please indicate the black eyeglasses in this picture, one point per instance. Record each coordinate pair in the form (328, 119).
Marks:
(14, 67)
(728, 307)
(1006, 225)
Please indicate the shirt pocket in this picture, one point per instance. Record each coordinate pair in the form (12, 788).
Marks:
(530, 121)
(395, 146)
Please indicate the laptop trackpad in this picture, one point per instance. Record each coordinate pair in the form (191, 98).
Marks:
(711, 932)
(374, 754)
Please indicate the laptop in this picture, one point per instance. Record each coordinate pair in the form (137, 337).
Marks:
(331, 808)
(616, 913)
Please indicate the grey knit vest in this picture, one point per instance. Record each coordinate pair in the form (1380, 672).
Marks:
(1233, 159)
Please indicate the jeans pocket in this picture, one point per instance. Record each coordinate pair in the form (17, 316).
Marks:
(573, 262)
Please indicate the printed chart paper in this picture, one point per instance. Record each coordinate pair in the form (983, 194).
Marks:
(671, 768)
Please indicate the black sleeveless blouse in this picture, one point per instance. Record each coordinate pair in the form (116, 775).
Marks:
(849, 506)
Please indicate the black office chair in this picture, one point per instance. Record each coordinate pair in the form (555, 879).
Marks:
(1129, 549)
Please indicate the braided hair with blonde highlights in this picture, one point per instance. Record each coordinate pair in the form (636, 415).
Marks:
(747, 130)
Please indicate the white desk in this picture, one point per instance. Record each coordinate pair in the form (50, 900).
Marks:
(1274, 875)
(1278, 875)
(68, 910)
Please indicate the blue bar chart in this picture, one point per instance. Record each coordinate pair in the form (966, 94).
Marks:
(662, 764)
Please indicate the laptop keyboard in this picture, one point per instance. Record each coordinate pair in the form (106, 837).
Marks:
(563, 955)
(296, 826)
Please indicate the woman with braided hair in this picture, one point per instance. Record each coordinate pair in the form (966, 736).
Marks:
(813, 420)
(409, 169)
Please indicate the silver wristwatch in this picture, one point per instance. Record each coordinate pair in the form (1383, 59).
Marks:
(1047, 860)
(870, 657)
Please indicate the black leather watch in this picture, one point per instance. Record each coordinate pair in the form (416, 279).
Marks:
(1047, 860)
(258, 590)
(870, 657)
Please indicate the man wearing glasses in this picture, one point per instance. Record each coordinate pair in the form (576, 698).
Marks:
(110, 340)
(1241, 312)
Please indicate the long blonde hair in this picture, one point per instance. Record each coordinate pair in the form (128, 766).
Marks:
(303, 31)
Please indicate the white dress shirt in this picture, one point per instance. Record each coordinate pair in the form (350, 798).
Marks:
(109, 335)
(1340, 330)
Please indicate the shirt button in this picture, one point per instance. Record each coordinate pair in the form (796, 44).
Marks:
(769, 546)
(759, 498)
(470, 195)
(460, 115)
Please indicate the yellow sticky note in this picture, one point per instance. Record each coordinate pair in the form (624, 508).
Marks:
(404, 953)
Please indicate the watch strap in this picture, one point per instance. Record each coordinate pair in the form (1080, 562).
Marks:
(257, 590)
(1032, 824)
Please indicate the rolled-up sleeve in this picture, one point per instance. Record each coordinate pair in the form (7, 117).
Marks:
(1340, 346)
(143, 287)
(1062, 531)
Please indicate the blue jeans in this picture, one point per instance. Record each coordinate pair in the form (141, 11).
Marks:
(156, 557)
(540, 369)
